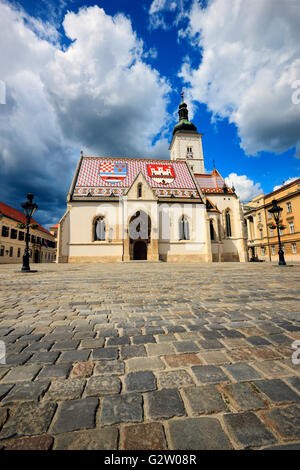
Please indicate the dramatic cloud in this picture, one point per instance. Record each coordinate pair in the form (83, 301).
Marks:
(250, 62)
(290, 180)
(245, 188)
(98, 94)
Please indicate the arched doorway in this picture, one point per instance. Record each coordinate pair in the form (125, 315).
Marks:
(140, 250)
(139, 229)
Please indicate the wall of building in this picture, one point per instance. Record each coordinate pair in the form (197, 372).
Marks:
(12, 249)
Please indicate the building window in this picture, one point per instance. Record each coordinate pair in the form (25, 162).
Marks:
(212, 230)
(11, 252)
(13, 233)
(2, 250)
(280, 231)
(273, 250)
(261, 233)
(139, 190)
(269, 215)
(294, 248)
(289, 207)
(5, 231)
(271, 232)
(189, 152)
(263, 251)
(259, 217)
(99, 229)
(32, 238)
(292, 228)
(21, 235)
(19, 252)
(184, 228)
(228, 223)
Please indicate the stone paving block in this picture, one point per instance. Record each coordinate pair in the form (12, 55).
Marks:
(210, 344)
(248, 430)
(186, 346)
(175, 378)
(74, 356)
(29, 419)
(204, 400)
(62, 389)
(238, 355)
(109, 367)
(26, 391)
(21, 373)
(209, 374)
(143, 381)
(160, 349)
(214, 357)
(149, 436)
(266, 353)
(133, 351)
(144, 363)
(284, 447)
(279, 339)
(169, 338)
(93, 343)
(74, 415)
(242, 372)
(180, 360)
(286, 421)
(39, 346)
(70, 345)
(82, 369)
(143, 339)
(105, 354)
(154, 330)
(95, 439)
(164, 404)
(118, 340)
(198, 434)
(42, 442)
(277, 391)
(44, 357)
(232, 343)
(102, 385)
(244, 397)
(124, 408)
(258, 341)
(17, 359)
(272, 369)
(55, 372)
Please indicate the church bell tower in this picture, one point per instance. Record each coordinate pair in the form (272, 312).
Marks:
(186, 143)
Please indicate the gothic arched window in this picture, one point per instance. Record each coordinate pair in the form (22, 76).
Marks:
(139, 190)
(184, 228)
(99, 229)
(228, 223)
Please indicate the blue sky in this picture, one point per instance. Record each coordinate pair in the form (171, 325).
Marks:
(106, 77)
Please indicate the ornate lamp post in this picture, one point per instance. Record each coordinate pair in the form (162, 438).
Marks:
(29, 209)
(276, 211)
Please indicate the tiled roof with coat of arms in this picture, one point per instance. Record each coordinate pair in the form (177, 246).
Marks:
(106, 176)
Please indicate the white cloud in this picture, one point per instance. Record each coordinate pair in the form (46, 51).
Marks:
(250, 59)
(98, 94)
(245, 188)
(284, 183)
(167, 13)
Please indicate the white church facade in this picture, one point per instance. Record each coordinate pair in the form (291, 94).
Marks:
(122, 209)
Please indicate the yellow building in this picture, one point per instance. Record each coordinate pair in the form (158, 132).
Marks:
(13, 235)
(261, 229)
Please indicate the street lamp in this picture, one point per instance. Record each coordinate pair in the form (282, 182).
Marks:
(276, 211)
(29, 208)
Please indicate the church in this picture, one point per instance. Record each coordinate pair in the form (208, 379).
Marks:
(123, 209)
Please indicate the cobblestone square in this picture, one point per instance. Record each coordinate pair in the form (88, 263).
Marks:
(150, 356)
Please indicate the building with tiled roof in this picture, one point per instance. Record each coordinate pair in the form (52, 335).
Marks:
(122, 209)
(12, 238)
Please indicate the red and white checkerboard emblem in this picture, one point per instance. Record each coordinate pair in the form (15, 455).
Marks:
(162, 174)
(113, 171)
